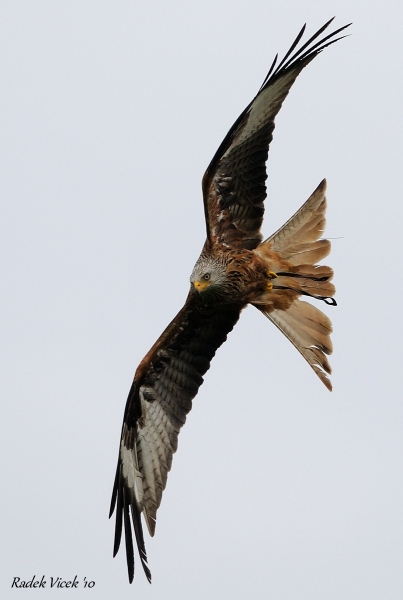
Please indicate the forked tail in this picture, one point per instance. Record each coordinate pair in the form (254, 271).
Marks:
(291, 254)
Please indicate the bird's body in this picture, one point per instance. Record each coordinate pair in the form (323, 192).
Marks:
(228, 276)
(235, 268)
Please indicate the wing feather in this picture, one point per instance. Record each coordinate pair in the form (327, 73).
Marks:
(234, 187)
(160, 398)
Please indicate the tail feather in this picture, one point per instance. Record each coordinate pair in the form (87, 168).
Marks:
(291, 254)
(309, 286)
(309, 330)
(309, 253)
(297, 240)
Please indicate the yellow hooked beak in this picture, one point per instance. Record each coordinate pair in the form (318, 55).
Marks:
(200, 285)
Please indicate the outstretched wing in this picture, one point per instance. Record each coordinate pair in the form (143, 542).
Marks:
(166, 381)
(234, 186)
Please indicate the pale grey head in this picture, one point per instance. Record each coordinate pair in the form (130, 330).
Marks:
(209, 276)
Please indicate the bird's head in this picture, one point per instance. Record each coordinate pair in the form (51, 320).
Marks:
(208, 276)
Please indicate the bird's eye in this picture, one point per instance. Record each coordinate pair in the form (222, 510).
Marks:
(206, 276)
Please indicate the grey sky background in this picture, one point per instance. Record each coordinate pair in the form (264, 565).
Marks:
(110, 113)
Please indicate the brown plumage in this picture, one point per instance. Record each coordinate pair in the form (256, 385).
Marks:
(234, 269)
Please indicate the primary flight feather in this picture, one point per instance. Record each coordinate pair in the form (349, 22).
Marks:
(234, 269)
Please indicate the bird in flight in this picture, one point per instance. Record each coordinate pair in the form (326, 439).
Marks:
(235, 268)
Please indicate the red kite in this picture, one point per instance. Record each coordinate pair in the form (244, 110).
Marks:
(235, 268)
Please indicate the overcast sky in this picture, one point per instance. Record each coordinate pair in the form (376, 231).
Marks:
(109, 113)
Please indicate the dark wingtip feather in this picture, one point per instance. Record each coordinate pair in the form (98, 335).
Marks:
(114, 491)
(145, 568)
(306, 51)
(138, 530)
(314, 51)
(118, 524)
(293, 45)
(128, 538)
(273, 64)
(124, 506)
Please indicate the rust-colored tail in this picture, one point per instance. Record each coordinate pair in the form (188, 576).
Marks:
(290, 255)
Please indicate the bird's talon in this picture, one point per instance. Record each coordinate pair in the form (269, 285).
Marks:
(271, 274)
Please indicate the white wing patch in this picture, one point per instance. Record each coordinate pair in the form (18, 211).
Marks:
(266, 106)
(131, 473)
